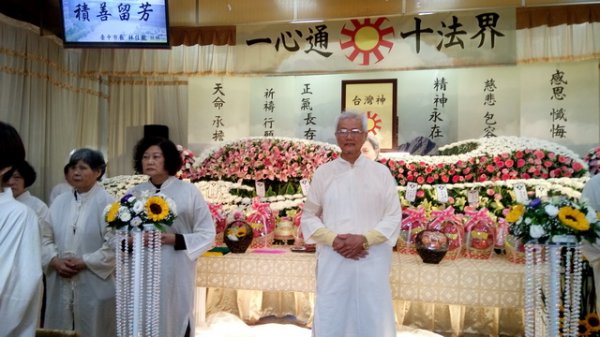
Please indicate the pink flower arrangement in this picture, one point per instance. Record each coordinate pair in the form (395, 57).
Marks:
(274, 159)
(592, 158)
(520, 164)
(187, 169)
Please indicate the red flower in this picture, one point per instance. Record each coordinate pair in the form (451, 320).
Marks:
(420, 180)
(509, 163)
(490, 168)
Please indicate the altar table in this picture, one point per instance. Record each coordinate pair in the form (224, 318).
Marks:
(455, 296)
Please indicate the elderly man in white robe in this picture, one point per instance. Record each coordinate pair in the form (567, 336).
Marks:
(591, 192)
(79, 254)
(353, 214)
(21, 266)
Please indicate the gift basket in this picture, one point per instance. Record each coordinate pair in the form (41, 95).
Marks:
(414, 221)
(431, 245)
(480, 232)
(238, 236)
(220, 221)
(262, 220)
(450, 224)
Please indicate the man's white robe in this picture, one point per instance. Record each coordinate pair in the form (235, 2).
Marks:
(78, 226)
(178, 268)
(591, 192)
(353, 297)
(20, 268)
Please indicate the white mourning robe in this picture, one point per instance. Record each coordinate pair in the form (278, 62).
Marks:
(20, 268)
(178, 267)
(37, 205)
(78, 226)
(353, 297)
(591, 192)
(59, 189)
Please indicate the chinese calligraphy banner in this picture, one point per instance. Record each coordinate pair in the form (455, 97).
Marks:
(404, 42)
(556, 101)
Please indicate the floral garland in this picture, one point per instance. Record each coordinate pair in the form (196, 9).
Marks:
(500, 158)
(281, 160)
(259, 158)
(592, 158)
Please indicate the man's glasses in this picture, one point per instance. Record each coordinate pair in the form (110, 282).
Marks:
(348, 132)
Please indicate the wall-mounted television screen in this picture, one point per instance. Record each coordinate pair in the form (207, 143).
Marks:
(115, 23)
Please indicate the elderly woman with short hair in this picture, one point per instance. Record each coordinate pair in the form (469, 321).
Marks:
(79, 255)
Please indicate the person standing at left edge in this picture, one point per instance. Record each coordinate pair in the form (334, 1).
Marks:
(353, 213)
(20, 249)
(191, 234)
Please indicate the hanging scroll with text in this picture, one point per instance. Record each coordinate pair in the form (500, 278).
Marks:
(377, 99)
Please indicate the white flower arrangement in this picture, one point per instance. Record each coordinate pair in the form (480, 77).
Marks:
(117, 186)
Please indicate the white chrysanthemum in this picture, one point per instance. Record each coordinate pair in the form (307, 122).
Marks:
(551, 210)
(138, 207)
(136, 221)
(232, 237)
(124, 216)
(536, 231)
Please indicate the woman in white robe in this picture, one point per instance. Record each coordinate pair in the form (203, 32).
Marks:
(20, 178)
(79, 255)
(191, 234)
(20, 266)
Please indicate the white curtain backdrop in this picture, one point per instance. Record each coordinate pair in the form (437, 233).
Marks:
(42, 95)
(135, 102)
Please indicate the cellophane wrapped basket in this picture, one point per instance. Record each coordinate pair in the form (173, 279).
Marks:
(263, 221)
(413, 222)
(480, 232)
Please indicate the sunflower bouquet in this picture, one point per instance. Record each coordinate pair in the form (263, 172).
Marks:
(556, 220)
(133, 211)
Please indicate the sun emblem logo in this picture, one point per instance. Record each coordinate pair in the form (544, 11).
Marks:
(373, 122)
(367, 39)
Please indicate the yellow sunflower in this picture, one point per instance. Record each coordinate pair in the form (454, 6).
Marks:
(583, 329)
(156, 208)
(573, 218)
(516, 212)
(113, 212)
(593, 321)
